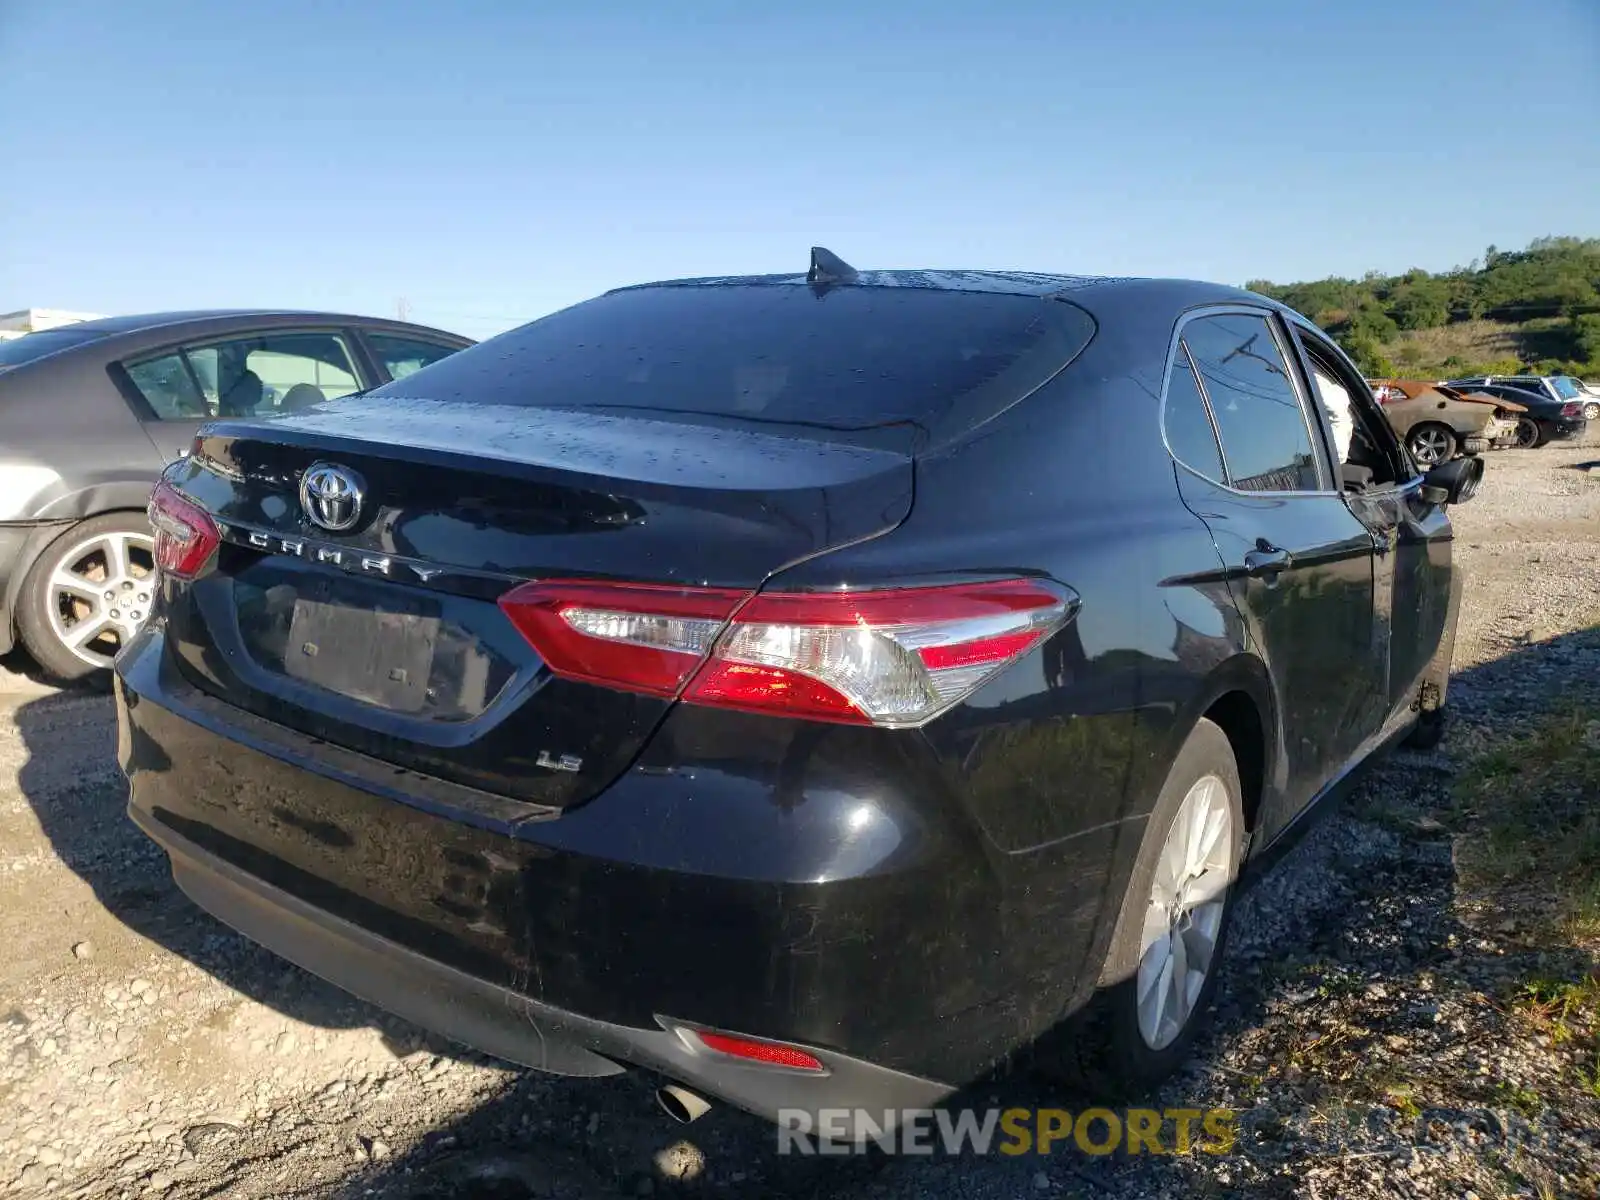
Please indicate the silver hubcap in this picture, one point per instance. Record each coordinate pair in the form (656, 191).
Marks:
(1427, 445)
(1591, 412)
(100, 593)
(1185, 914)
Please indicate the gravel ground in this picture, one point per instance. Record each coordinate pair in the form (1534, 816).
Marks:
(1361, 1032)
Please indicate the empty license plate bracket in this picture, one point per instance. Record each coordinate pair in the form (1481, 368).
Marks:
(379, 655)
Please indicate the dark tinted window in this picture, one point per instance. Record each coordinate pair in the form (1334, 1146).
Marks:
(402, 356)
(849, 358)
(264, 373)
(1264, 437)
(16, 351)
(169, 389)
(1190, 436)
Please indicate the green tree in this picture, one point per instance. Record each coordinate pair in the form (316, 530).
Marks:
(1368, 355)
(1586, 338)
(1422, 304)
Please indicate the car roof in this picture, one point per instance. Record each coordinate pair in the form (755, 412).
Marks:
(138, 322)
(1014, 283)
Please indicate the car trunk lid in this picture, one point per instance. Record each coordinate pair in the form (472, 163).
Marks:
(385, 637)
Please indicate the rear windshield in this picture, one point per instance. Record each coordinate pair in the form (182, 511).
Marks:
(849, 358)
(16, 351)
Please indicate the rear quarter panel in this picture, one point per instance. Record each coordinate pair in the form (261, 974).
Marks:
(1058, 762)
(65, 413)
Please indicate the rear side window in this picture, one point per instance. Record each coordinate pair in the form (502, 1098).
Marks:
(1190, 435)
(169, 389)
(402, 356)
(1265, 440)
(849, 358)
(253, 375)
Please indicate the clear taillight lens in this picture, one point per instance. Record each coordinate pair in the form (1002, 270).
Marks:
(186, 536)
(891, 657)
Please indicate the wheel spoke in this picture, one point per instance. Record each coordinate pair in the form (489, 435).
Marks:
(1210, 840)
(1153, 998)
(83, 632)
(67, 581)
(1171, 867)
(1205, 889)
(1157, 924)
(1179, 994)
(1153, 963)
(1198, 947)
(116, 545)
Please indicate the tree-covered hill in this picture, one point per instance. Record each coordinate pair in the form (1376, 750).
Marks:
(1515, 310)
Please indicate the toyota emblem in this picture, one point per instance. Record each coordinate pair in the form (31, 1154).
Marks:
(332, 496)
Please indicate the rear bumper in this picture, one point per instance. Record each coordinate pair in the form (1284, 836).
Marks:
(505, 1023)
(1565, 429)
(858, 917)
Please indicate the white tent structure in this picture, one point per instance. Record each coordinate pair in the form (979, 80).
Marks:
(31, 320)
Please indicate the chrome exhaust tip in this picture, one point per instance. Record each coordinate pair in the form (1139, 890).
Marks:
(682, 1105)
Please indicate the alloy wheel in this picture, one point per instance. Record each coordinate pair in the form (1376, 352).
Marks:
(1591, 411)
(1429, 446)
(1527, 433)
(100, 593)
(1184, 918)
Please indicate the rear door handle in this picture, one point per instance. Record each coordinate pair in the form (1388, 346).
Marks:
(1267, 560)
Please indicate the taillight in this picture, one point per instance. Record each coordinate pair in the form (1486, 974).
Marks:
(186, 536)
(1572, 410)
(890, 657)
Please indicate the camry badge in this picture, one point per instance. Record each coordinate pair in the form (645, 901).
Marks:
(332, 496)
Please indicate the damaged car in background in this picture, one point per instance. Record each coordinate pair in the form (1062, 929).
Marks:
(1437, 422)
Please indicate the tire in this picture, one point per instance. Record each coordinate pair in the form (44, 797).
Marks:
(1428, 732)
(1591, 410)
(1109, 1050)
(68, 585)
(1529, 435)
(1431, 444)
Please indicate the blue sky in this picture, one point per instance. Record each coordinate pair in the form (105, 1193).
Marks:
(488, 163)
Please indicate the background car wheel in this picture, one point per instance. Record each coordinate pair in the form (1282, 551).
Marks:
(88, 594)
(1529, 435)
(1168, 945)
(1591, 411)
(1431, 444)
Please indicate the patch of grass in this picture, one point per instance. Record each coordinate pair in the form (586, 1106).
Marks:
(1589, 1074)
(1529, 808)
(1559, 1002)
(1524, 1099)
(1401, 1095)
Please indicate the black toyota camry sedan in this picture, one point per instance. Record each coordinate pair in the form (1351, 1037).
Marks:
(813, 689)
(91, 413)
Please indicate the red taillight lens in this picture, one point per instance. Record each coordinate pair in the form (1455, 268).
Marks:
(186, 536)
(1572, 410)
(638, 637)
(892, 657)
(772, 1054)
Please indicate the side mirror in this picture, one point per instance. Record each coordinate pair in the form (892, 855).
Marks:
(1454, 482)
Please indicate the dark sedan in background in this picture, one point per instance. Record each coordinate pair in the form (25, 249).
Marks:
(91, 413)
(1549, 418)
(813, 688)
